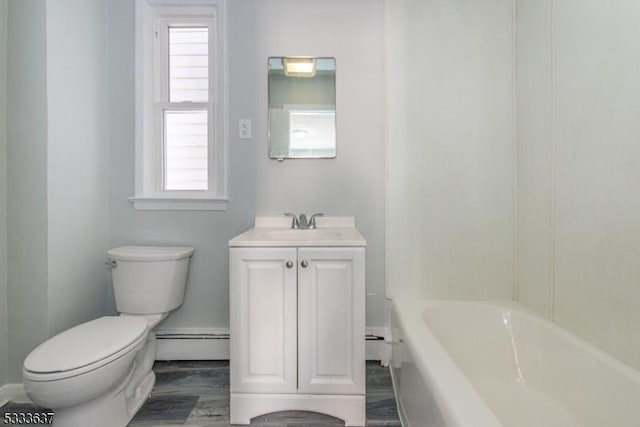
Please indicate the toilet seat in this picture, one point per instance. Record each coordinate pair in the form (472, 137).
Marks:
(84, 348)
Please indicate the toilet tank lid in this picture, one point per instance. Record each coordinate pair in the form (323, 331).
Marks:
(85, 344)
(149, 253)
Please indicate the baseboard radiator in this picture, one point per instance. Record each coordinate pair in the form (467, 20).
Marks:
(179, 344)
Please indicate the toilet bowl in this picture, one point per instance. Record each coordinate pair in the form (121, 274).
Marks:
(100, 373)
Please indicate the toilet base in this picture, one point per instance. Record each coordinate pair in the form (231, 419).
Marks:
(112, 410)
(108, 396)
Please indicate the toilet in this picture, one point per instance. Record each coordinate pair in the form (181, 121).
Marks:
(100, 373)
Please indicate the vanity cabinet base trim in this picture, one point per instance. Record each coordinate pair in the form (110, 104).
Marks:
(350, 408)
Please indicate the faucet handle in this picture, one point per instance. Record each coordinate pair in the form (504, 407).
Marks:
(312, 220)
(294, 220)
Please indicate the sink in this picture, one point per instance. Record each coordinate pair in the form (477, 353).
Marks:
(278, 233)
(298, 234)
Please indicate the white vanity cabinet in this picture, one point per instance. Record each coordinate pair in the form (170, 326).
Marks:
(298, 324)
(263, 293)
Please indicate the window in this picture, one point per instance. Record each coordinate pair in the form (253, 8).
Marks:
(180, 105)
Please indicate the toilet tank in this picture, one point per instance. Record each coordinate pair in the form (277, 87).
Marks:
(149, 279)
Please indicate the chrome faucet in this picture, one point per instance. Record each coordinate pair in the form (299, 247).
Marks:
(295, 224)
(302, 223)
(312, 220)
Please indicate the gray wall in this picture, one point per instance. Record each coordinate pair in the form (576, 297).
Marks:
(57, 214)
(57, 181)
(351, 184)
(27, 180)
(77, 190)
(4, 350)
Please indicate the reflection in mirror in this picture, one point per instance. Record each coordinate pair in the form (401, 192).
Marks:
(302, 107)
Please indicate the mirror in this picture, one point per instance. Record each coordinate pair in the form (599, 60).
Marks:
(302, 108)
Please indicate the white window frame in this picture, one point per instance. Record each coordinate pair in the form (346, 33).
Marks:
(152, 18)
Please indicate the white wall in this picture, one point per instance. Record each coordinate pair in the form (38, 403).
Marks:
(351, 184)
(450, 155)
(27, 181)
(77, 161)
(535, 155)
(4, 348)
(579, 161)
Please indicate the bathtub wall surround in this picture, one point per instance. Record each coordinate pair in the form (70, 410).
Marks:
(478, 364)
(450, 172)
(512, 159)
(578, 168)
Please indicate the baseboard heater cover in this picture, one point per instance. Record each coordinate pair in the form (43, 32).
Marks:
(192, 345)
(190, 336)
(202, 345)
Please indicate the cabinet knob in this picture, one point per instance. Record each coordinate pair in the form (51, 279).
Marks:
(304, 264)
(289, 264)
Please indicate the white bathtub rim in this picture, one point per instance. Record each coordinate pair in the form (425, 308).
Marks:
(449, 378)
(581, 343)
(440, 371)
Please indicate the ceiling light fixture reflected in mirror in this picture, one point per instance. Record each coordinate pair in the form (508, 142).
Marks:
(299, 67)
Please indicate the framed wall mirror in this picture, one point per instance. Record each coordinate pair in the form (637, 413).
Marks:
(302, 108)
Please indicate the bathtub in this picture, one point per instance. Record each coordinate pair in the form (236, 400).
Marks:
(487, 364)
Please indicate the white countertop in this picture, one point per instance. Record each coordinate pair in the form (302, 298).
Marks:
(277, 232)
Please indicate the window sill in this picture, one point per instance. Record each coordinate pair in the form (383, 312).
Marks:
(146, 203)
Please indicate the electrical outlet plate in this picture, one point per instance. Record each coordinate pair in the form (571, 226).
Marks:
(244, 128)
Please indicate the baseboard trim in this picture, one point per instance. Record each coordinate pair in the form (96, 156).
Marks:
(13, 393)
(213, 344)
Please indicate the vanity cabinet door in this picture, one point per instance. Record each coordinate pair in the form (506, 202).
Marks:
(331, 320)
(263, 320)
